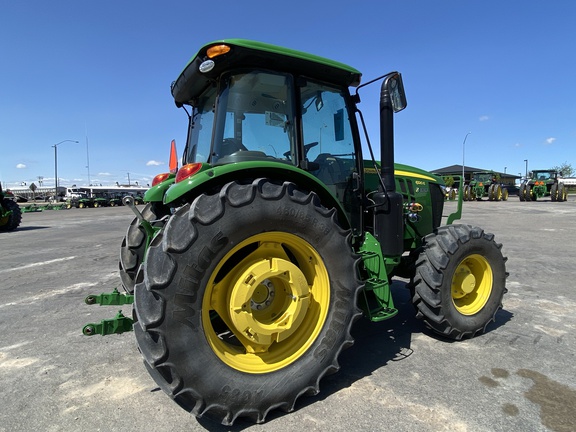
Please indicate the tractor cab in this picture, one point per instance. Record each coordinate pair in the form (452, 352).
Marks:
(281, 113)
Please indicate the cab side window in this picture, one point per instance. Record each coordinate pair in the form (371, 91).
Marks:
(327, 135)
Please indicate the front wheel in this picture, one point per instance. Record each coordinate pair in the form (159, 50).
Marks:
(134, 244)
(246, 299)
(459, 282)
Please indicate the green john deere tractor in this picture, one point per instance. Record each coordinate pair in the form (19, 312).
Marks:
(249, 264)
(10, 213)
(543, 183)
(485, 184)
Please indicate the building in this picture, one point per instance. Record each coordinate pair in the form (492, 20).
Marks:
(456, 170)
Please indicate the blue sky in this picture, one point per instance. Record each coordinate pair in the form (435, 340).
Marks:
(99, 73)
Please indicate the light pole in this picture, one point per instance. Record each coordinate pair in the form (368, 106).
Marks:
(505, 170)
(526, 175)
(463, 147)
(56, 167)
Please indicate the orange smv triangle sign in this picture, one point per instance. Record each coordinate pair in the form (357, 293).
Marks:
(173, 158)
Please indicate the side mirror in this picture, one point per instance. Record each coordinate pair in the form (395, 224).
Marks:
(395, 88)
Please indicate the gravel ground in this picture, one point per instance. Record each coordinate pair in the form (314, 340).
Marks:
(519, 376)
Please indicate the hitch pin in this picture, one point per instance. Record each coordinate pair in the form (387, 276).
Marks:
(129, 201)
(150, 231)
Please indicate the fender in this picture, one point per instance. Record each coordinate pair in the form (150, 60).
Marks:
(216, 176)
(156, 193)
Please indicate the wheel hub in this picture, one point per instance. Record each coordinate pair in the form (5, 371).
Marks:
(263, 295)
(472, 284)
(464, 282)
(258, 313)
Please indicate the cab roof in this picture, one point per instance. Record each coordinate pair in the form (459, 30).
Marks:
(252, 54)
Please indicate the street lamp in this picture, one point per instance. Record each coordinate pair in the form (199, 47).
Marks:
(56, 167)
(463, 147)
(526, 161)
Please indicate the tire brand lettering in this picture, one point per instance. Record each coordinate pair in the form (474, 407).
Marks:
(184, 309)
(303, 219)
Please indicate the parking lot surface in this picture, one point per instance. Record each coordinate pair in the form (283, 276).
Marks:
(519, 376)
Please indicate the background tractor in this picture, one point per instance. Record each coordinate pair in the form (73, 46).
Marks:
(485, 184)
(250, 263)
(542, 183)
(10, 213)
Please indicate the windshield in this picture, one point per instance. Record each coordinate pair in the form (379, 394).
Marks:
(542, 175)
(483, 177)
(255, 118)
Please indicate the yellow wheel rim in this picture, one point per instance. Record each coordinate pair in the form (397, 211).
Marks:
(498, 193)
(472, 284)
(266, 302)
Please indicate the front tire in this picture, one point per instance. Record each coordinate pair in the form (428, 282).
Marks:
(459, 282)
(246, 300)
(133, 247)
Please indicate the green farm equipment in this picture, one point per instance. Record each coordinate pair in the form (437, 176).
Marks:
(485, 184)
(115, 200)
(248, 266)
(543, 183)
(100, 202)
(10, 213)
(83, 202)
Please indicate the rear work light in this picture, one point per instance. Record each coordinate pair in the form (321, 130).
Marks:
(160, 178)
(187, 171)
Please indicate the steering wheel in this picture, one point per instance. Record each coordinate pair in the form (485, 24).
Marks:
(307, 148)
(231, 145)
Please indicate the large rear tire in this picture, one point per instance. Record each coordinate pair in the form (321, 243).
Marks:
(133, 247)
(491, 196)
(562, 192)
(246, 299)
(459, 282)
(554, 192)
(11, 222)
(529, 195)
(496, 192)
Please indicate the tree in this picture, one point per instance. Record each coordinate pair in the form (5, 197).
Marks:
(565, 168)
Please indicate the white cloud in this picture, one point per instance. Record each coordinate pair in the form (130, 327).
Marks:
(550, 140)
(154, 163)
(483, 118)
(517, 145)
(20, 166)
(104, 174)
